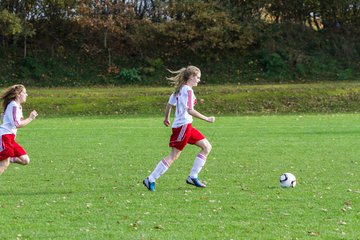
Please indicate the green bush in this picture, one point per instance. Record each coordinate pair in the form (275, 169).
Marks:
(156, 63)
(301, 70)
(129, 76)
(153, 65)
(346, 74)
(30, 67)
(273, 64)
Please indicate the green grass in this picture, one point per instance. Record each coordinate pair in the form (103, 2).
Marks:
(330, 97)
(85, 180)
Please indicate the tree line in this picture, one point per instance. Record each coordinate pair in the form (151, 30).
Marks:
(160, 28)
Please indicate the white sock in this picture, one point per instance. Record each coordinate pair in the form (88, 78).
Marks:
(199, 162)
(160, 169)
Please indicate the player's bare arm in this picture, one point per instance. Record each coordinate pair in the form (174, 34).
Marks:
(196, 114)
(167, 114)
(25, 122)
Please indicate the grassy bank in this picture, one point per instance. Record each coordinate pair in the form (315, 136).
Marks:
(215, 99)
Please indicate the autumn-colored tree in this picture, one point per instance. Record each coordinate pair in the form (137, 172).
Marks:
(107, 19)
(201, 27)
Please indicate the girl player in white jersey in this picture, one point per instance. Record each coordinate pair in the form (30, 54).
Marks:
(12, 119)
(182, 131)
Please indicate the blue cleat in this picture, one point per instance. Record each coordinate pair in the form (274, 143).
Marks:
(149, 185)
(195, 181)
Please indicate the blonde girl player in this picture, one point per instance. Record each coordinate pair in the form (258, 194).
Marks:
(12, 119)
(182, 131)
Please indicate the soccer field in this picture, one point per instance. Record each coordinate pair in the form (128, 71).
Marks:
(85, 180)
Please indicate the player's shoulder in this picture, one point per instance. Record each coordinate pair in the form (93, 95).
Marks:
(13, 104)
(186, 89)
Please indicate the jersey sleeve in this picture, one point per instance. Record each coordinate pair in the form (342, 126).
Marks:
(172, 100)
(16, 115)
(190, 99)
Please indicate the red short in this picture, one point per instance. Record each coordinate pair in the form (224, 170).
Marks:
(10, 148)
(184, 135)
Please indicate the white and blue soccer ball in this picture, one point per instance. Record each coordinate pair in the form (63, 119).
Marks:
(287, 180)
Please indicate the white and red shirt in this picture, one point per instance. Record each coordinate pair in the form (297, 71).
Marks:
(183, 101)
(11, 118)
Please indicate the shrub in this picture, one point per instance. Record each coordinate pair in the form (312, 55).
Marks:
(156, 63)
(129, 76)
(31, 68)
(345, 74)
(273, 63)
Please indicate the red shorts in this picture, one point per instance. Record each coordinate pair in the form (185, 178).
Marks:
(10, 148)
(184, 135)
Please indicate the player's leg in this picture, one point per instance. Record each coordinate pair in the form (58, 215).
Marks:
(174, 154)
(4, 164)
(178, 141)
(164, 164)
(6, 151)
(199, 140)
(161, 168)
(20, 155)
(205, 146)
(23, 160)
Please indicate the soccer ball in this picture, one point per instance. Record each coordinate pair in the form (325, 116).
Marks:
(287, 180)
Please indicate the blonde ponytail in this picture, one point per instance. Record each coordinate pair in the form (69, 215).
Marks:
(10, 94)
(182, 76)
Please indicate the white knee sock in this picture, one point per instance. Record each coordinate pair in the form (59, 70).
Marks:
(160, 169)
(199, 162)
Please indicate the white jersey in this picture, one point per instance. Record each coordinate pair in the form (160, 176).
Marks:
(183, 101)
(11, 118)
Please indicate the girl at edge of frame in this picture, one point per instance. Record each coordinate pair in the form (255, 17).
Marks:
(182, 131)
(12, 119)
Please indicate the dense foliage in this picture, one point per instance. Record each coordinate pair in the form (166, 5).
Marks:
(96, 42)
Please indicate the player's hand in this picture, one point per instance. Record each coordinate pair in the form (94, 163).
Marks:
(166, 122)
(211, 119)
(33, 114)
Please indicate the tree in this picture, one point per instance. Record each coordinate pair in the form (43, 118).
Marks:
(108, 18)
(10, 25)
(202, 27)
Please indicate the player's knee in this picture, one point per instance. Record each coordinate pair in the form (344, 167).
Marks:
(210, 147)
(207, 147)
(25, 160)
